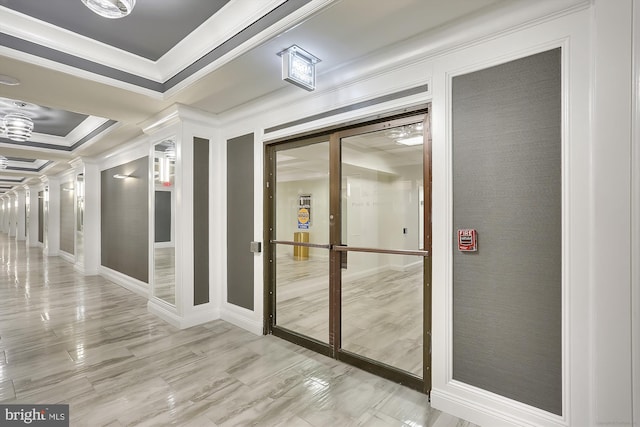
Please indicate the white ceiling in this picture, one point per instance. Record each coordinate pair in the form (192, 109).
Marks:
(339, 32)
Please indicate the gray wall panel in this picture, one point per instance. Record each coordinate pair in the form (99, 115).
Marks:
(41, 216)
(240, 221)
(201, 220)
(163, 216)
(507, 185)
(67, 218)
(125, 219)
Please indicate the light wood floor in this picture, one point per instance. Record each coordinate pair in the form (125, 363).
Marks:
(382, 315)
(66, 338)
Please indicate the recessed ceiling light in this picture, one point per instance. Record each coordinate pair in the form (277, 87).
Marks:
(8, 80)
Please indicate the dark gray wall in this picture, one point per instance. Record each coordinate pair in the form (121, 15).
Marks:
(240, 221)
(41, 216)
(125, 219)
(67, 218)
(163, 216)
(507, 185)
(201, 221)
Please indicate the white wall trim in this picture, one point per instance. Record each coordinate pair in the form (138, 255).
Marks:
(635, 216)
(241, 317)
(134, 285)
(125, 153)
(67, 256)
(168, 313)
(478, 406)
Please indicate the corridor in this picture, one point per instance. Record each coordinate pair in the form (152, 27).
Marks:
(83, 341)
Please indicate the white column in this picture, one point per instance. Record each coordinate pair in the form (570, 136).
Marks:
(7, 215)
(92, 202)
(12, 215)
(21, 219)
(32, 234)
(2, 214)
(52, 216)
(6, 220)
(610, 244)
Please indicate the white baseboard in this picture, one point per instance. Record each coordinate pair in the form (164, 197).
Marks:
(488, 409)
(51, 252)
(67, 257)
(406, 267)
(168, 314)
(134, 285)
(82, 269)
(242, 318)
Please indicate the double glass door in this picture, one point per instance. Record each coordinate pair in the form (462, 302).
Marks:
(348, 257)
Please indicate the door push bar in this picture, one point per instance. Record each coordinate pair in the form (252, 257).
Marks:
(344, 248)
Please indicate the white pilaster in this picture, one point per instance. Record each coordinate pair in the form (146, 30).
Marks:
(34, 218)
(21, 219)
(183, 124)
(91, 234)
(51, 216)
(12, 215)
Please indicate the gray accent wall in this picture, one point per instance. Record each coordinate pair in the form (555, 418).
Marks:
(507, 323)
(125, 219)
(240, 287)
(200, 221)
(41, 216)
(67, 218)
(163, 216)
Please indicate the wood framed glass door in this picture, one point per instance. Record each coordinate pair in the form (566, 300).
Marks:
(349, 239)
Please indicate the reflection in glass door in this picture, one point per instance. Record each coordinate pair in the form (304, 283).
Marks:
(382, 278)
(302, 239)
(348, 261)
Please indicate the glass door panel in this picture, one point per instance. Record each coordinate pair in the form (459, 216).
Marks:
(382, 217)
(301, 247)
(382, 313)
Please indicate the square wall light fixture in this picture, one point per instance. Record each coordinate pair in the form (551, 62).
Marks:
(299, 67)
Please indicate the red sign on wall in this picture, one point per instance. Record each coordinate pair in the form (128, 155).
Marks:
(467, 240)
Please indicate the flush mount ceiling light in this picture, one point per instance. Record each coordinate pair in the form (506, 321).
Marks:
(299, 67)
(18, 127)
(111, 9)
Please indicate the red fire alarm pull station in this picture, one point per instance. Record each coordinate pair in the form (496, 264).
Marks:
(467, 240)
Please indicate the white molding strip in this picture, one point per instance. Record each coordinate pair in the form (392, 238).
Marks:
(242, 318)
(67, 256)
(134, 285)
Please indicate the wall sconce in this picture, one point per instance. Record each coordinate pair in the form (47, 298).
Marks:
(299, 67)
(122, 176)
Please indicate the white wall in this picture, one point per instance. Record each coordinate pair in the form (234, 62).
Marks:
(596, 185)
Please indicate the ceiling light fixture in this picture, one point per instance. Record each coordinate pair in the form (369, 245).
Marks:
(4, 162)
(18, 127)
(111, 9)
(414, 140)
(299, 67)
(170, 151)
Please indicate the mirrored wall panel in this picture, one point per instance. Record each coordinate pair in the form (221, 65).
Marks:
(164, 256)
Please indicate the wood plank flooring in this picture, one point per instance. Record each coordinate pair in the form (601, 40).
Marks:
(382, 317)
(66, 338)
